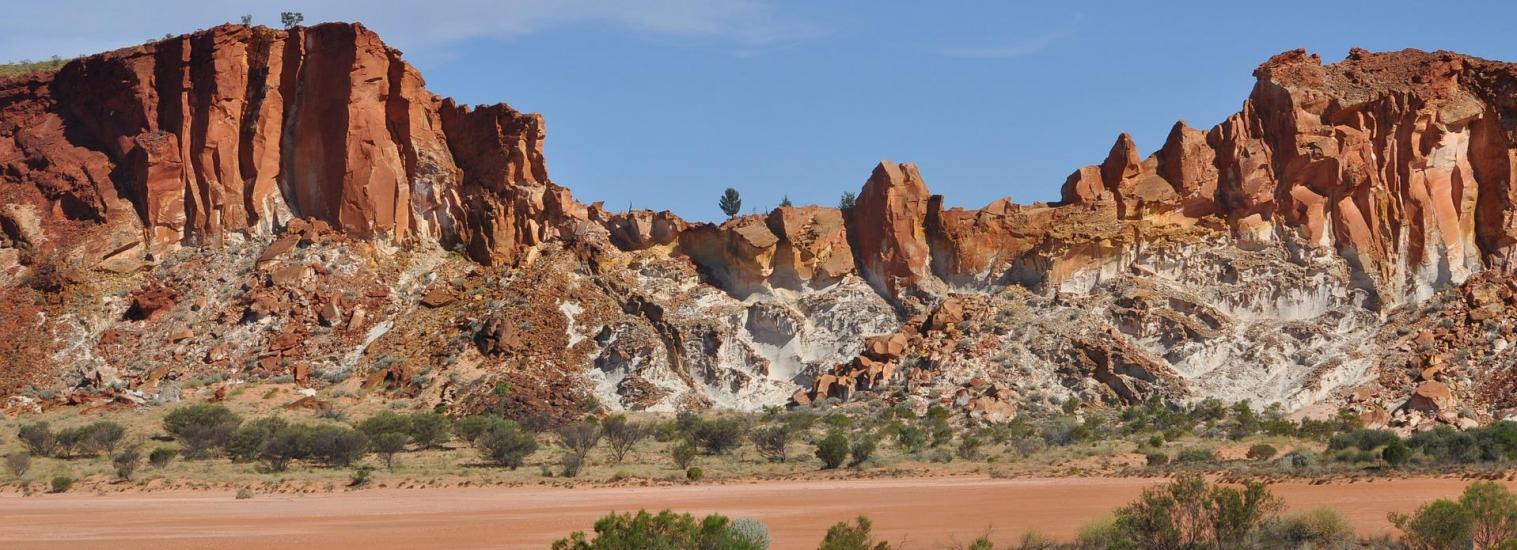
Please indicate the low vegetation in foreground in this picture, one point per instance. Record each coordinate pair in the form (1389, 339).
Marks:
(1186, 514)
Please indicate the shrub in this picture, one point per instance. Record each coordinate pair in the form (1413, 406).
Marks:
(571, 462)
(579, 438)
(683, 454)
(969, 447)
(126, 462)
(74, 442)
(386, 445)
(622, 435)
(18, 463)
(1192, 456)
(161, 457)
(844, 536)
(1315, 528)
(385, 422)
(862, 450)
(505, 443)
(719, 436)
(244, 493)
(771, 441)
(695, 473)
(1261, 451)
(39, 439)
(1299, 459)
(1101, 533)
(1443, 524)
(1187, 513)
(203, 427)
(1362, 439)
(1157, 459)
(752, 531)
(337, 446)
(288, 443)
(362, 475)
(469, 428)
(246, 443)
(105, 436)
(666, 530)
(1396, 453)
(1493, 511)
(61, 484)
(428, 429)
(833, 450)
(911, 439)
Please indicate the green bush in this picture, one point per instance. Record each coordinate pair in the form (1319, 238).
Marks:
(1315, 528)
(428, 429)
(665, 531)
(1299, 459)
(385, 422)
(1193, 456)
(1443, 524)
(1396, 453)
(857, 536)
(862, 450)
(579, 438)
(969, 447)
(161, 457)
(752, 531)
(38, 438)
(18, 464)
(61, 484)
(338, 446)
(387, 444)
(695, 473)
(833, 450)
(1189, 513)
(505, 443)
(1362, 439)
(470, 428)
(105, 436)
(911, 439)
(683, 454)
(570, 462)
(720, 435)
(1261, 451)
(1157, 459)
(246, 443)
(126, 462)
(771, 441)
(288, 443)
(622, 435)
(202, 427)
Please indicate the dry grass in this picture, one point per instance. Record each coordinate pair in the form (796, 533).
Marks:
(27, 66)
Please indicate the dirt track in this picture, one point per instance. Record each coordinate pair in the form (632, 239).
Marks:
(925, 513)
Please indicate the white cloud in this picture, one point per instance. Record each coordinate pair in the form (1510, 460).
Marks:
(37, 30)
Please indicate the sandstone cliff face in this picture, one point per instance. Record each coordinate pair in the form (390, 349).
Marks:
(283, 202)
(235, 131)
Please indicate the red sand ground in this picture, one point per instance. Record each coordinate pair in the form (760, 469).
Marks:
(924, 513)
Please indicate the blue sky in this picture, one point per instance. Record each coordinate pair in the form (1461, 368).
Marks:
(663, 103)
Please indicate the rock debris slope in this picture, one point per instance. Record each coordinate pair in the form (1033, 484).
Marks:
(245, 203)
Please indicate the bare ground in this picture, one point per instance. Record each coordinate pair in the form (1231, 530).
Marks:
(924, 513)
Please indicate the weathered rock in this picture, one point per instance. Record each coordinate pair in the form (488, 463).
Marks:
(887, 227)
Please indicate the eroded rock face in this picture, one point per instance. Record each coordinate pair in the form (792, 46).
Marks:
(239, 130)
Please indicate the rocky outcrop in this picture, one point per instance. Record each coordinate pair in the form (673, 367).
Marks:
(237, 130)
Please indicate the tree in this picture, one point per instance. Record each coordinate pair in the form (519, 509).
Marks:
(847, 201)
(785, 202)
(579, 438)
(202, 427)
(718, 436)
(683, 454)
(470, 428)
(622, 435)
(247, 20)
(387, 444)
(1493, 513)
(505, 443)
(428, 429)
(38, 438)
(771, 441)
(291, 19)
(247, 442)
(337, 446)
(833, 450)
(1440, 525)
(292, 442)
(731, 203)
(106, 435)
(385, 422)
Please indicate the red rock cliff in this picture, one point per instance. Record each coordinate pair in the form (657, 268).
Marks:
(238, 130)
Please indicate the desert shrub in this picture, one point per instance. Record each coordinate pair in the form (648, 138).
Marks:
(1315, 528)
(1299, 459)
(1362, 439)
(695, 473)
(579, 438)
(18, 464)
(856, 536)
(1188, 513)
(911, 439)
(126, 462)
(505, 443)
(719, 435)
(1261, 451)
(74, 442)
(61, 484)
(161, 457)
(771, 441)
(1157, 459)
(338, 446)
(939, 431)
(386, 445)
(664, 531)
(105, 436)
(863, 448)
(969, 447)
(470, 428)
(752, 531)
(1443, 444)
(385, 422)
(1396, 453)
(833, 450)
(202, 427)
(570, 462)
(428, 429)
(1440, 525)
(38, 438)
(244, 493)
(289, 443)
(361, 476)
(622, 435)
(683, 454)
(246, 443)
(1100, 534)
(1493, 513)
(1193, 456)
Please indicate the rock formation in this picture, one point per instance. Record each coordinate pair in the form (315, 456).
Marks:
(256, 202)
